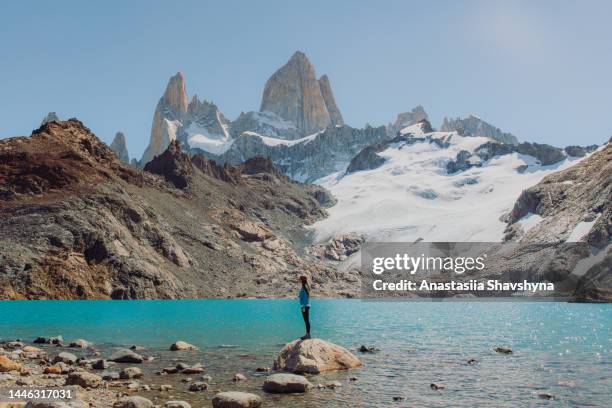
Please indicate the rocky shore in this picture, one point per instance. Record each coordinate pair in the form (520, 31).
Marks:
(135, 377)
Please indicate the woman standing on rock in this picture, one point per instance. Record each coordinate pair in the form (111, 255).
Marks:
(305, 305)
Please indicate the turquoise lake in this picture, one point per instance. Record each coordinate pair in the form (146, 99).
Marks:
(560, 348)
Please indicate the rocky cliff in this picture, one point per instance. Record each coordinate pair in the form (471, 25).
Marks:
(309, 158)
(169, 112)
(120, 147)
(76, 222)
(572, 205)
(294, 94)
(406, 119)
(474, 126)
(330, 102)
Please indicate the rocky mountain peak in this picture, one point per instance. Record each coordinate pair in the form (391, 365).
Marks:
(169, 112)
(174, 165)
(475, 126)
(294, 93)
(175, 96)
(119, 146)
(406, 119)
(51, 117)
(330, 102)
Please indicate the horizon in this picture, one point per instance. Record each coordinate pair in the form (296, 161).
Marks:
(109, 69)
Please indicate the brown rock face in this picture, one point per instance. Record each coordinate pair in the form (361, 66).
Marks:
(294, 94)
(330, 101)
(170, 110)
(75, 222)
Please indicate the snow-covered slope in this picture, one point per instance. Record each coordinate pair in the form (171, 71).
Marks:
(412, 196)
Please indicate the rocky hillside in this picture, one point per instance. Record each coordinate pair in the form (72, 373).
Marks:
(573, 205)
(76, 222)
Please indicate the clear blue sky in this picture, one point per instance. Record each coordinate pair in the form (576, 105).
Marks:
(539, 69)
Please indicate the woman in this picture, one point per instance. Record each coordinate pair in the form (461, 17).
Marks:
(305, 305)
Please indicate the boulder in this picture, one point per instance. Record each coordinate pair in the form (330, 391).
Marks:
(182, 345)
(14, 345)
(66, 358)
(6, 365)
(100, 364)
(84, 379)
(130, 372)
(80, 343)
(54, 369)
(198, 386)
(126, 356)
(503, 350)
(49, 340)
(31, 349)
(239, 377)
(286, 383)
(235, 399)
(315, 356)
(133, 402)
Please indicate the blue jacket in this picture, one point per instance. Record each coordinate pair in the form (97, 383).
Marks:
(304, 298)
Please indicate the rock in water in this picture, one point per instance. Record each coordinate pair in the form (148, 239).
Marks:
(315, 356)
(133, 402)
(126, 356)
(294, 94)
(120, 148)
(65, 357)
(286, 384)
(235, 399)
(182, 345)
(80, 343)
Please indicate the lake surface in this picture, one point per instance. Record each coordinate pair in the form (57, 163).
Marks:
(559, 348)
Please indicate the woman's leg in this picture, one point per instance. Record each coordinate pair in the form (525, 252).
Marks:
(306, 316)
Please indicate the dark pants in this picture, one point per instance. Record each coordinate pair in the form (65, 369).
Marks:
(306, 316)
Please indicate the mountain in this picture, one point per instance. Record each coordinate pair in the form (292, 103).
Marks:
(309, 158)
(572, 205)
(120, 148)
(299, 126)
(474, 126)
(431, 186)
(169, 112)
(330, 102)
(76, 222)
(294, 94)
(51, 116)
(406, 119)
